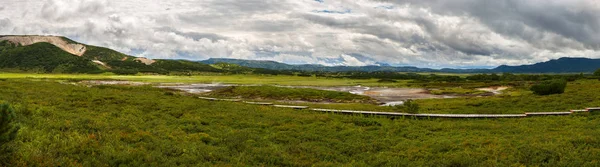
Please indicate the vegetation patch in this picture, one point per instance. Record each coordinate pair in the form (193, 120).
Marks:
(549, 87)
(8, 129)
(291, 94)
(66, 125)
(458, 91)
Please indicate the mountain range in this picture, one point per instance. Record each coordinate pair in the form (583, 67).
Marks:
(54, 54)
(561, 65)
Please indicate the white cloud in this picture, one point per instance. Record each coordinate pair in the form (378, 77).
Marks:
(335, 32)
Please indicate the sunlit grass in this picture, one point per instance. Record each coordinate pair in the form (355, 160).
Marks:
(216, 78)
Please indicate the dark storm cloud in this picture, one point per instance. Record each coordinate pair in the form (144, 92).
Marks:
(577, 20)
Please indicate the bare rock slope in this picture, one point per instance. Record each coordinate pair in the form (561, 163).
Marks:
(73, 48)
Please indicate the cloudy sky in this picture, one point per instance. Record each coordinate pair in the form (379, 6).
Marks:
(423, 33)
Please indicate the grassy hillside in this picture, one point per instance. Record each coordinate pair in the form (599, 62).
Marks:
(66, 125)
(47, 58)
(283, 93)
(43, 57)
(105, 54)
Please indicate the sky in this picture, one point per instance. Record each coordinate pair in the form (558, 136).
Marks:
(422, 33)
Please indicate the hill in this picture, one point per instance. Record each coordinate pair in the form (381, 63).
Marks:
(42, 57)
(52, 54)
(562, 65)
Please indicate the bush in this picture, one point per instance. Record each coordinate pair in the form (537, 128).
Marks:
(385, 80)
(409, 106)
(549, 87)
(8, 131)
(597, 72)
(125, 71)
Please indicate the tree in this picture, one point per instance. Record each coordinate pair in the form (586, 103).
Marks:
(597, 73)
(8, 130)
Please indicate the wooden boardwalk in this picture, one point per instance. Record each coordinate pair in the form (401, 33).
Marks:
(294, 107)
(593, 109)
(397, 114)
(258, 103)
(547, 113)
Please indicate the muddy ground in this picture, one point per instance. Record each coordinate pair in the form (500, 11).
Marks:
(387, 96)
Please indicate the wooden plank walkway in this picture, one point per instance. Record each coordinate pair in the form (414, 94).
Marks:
(208, 98)
(575, 111)
(258, 103)
(362, 112)
(395, 114)
(472, 115)
(216, 99)
(423, 115)
(232, 100)
(294, 107)
(593, 109)
(547, 113)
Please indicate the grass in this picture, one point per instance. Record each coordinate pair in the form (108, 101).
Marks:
(457, 91)
(578, 95)
(214, 78)
(66, 125)
(290, 94)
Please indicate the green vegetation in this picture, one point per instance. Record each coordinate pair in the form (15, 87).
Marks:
(8, 130)
(457, 91)
(104, 54)
(217, 78)
(43, 58)
(183, 66)
(549, 87)
(66, 125)
(387, 81)
(577, 95)
(289, 94)
(409, 106)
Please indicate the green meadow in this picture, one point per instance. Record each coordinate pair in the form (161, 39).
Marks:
(76, 125)
(212, 78)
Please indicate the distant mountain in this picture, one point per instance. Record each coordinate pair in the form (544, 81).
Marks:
(562, 65)
(312, 67)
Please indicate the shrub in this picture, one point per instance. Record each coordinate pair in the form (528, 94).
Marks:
(597, 72)
(385, 80)
(8, 130)
(549, 87)
(409, 106)
(125, 71)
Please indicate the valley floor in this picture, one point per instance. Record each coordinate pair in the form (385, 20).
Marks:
(76, 125)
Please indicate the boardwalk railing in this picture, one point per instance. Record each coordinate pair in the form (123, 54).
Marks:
(396, 114)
